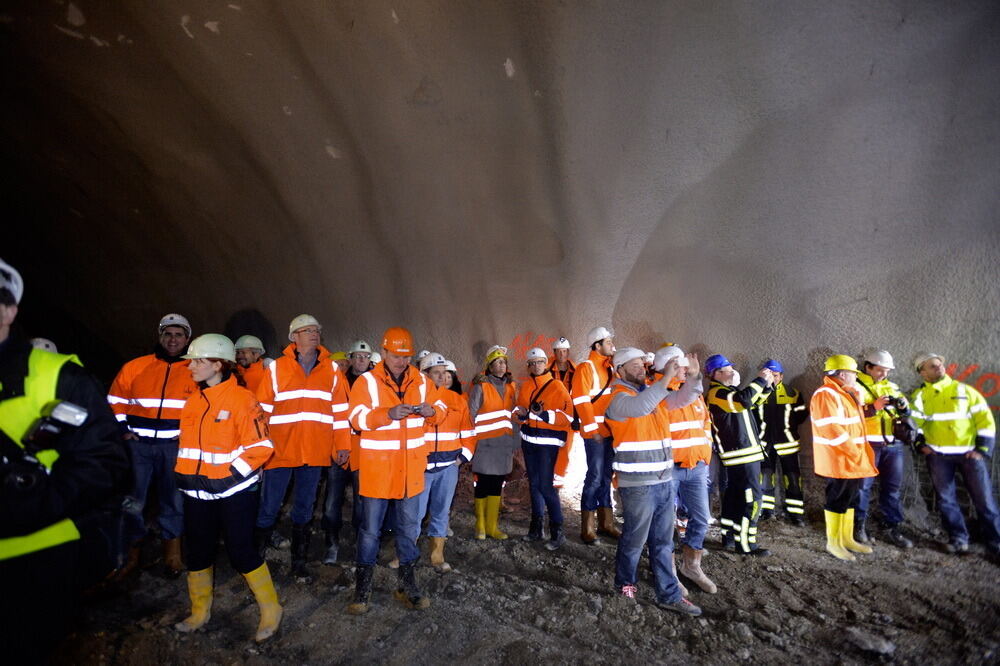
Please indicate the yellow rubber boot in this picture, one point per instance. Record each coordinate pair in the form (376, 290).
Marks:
(481, 518)
(847, 535)
(262, 587)
(200, 591)
(493, 517)
(833, 532)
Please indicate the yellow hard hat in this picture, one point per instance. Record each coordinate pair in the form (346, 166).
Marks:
(840, 362)
(338, 356)
(493, 353)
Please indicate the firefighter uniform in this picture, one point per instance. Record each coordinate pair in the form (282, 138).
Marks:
(780, 416)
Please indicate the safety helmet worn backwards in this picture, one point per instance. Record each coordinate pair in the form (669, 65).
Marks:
(212, 345)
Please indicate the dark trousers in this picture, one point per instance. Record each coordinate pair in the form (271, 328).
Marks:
(841, 494)
(889, 461)
(741, 505)
(540, 461)
(338, 480)
(38, 603)
(791, 478)
(233, 517)
(488, 485)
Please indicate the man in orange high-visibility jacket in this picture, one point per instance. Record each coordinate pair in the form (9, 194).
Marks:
(591, 393)
(840, 451)
(147, 397)
(305, 395)
(562, 369)
(390, 406)
(251, 361)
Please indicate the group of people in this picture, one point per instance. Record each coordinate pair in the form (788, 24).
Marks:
(220, 431)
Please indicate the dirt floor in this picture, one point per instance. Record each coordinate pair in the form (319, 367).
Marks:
(514, 602)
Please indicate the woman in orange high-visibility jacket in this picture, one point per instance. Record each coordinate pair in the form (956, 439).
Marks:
(491, 399)
(224, 443)
(390, 406)
(546, 414)
(449, 444)
(840, 451)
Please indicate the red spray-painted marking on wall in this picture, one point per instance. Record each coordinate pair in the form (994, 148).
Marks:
(522, 342)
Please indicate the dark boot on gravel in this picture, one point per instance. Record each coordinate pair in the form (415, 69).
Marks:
(408, 592)
(362, 589)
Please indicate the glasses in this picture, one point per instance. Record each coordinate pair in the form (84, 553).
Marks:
(307, 331)
(537, 362)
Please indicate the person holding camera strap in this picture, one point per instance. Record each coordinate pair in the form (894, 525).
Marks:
(63, 459)
(885, 401)
(544, 409)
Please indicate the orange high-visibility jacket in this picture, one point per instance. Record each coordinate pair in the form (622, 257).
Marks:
(552, 426)
(454, 439)
(565, 377)
(148, 395)
(253, 375)
(690, 431)
(840, 448)
(308, 414)
(393, 453)
(493, 417)
(642, 445)
(589, 380)
(224, 442)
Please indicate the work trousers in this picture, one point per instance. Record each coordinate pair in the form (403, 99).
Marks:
(273, 494)
(741, 505)
(791, 477)
(596, 491)
(976, 475)
(841, 494)
(338, 480)
(233, 517)
(889, 459)
(153, 463)
(488, 485)
(406, 528)
(649, 519)
(540, 461)
(691, 486)
(435, 501)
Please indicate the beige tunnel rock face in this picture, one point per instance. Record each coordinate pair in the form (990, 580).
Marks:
(759, 179)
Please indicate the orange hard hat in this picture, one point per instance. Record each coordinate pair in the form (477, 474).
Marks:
(398, 340)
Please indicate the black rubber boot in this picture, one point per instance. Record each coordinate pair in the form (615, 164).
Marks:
(898, 539)
(408, 592)
(558, 538)
(300, 550)
(861, 529)
(534, 529)
(362, 589)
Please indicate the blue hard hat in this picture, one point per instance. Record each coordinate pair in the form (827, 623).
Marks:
(716, 362)
(773, 366)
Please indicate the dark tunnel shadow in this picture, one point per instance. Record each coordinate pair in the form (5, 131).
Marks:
(250, 321)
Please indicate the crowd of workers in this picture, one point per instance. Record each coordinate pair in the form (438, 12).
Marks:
(221, 432)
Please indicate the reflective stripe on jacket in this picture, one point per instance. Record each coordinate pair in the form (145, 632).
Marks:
(642, 444)
(307, 413)
(566, 377)
(780, 416)
(148, 395)
(954, 417)
(690, 432)
(840, 448)
(733, 427)
(454, 439)
(392, 454)
(224, 442)
(589, 378)
(878, 428)
(551, 427)
(493, 417)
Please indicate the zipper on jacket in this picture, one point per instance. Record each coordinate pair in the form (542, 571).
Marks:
(163, 393)
(201, 424)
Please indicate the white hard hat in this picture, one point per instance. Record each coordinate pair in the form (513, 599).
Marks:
(624, 355)
(923, 358)
(376, 357)
(302, 321)
(431, 359)
(360, 347)
(422, 354)
(598, 334)
(880, 357)
(450, 366)
(648, 358)
(44, 344)
(664, 354)
(11, 280)
(536, 353)
(561, 343)
(249, 342)
(174, 319)
(212, 345)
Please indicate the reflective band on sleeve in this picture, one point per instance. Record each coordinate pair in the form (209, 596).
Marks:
(581, 399)
(115, 400)
(156, 434)
(280, 419)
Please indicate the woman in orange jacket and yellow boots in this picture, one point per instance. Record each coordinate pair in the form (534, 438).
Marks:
(224, 442)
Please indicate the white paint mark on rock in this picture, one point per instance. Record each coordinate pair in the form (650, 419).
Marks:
(248, 54)
(185, 20)
(98, 41)
(71, 33)
(236, 7)
(74, 16)
(213, 26)
(333, 152)
(395, 19)
(287, 110)
(122, 39)
(508, 66)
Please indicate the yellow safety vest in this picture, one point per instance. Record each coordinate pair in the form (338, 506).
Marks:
(16, 416)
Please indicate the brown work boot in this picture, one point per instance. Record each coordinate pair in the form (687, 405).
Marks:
(437, 554)
(691, 569)
(606, 522)
(172, 562)
(588, 527)
(673, 570)
(131, 564)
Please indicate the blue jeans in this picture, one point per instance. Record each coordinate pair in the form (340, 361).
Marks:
(273, 494)
(153, 462)
(889, 462)
(439, 489)
(596, 491)
(406, 527)
(540, 461)
(691, 485)
(976, 475)
(338, 480)
(649, 518)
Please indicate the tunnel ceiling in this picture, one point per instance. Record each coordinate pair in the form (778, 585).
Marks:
(757, 178)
